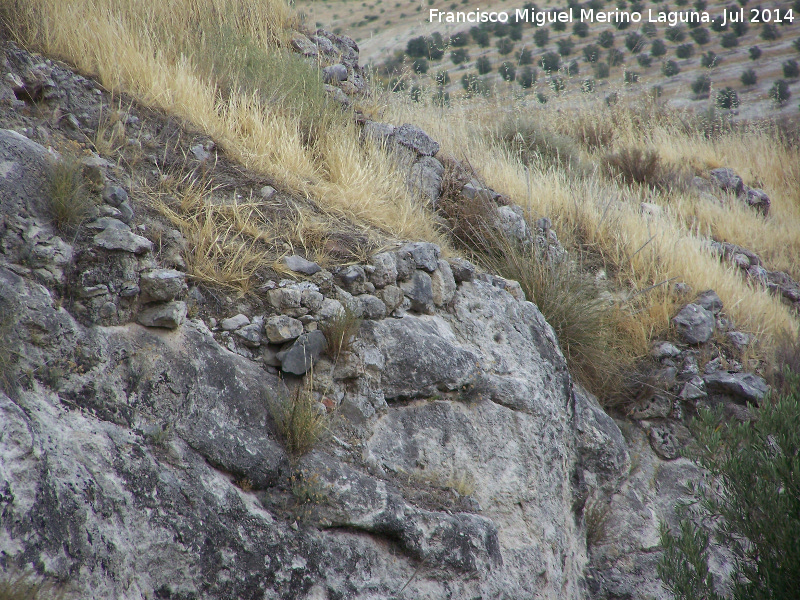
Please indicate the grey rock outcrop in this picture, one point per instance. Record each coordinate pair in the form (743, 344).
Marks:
(695, 324)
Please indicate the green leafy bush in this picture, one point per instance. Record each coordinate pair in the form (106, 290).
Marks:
(749, 77)
(750, 505)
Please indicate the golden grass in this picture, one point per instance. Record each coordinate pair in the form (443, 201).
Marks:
(604, 219)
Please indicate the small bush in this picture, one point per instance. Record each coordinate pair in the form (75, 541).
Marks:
(750, 504)
(769, 32)
(580, 29)
(615, 57)
(300, 420)
(670, 68)
(591, 53)
(481, 36)
(700, 36)
(565, 46)
(550, 62)
(701, 85)
(601, 70)
(420, 66)
(635, 166)
(530, 141)
(634, 42)
(507, 71)
(649, 29)
(588, 86)
(442, 78)
(459, 55)
(644, 60)
(658, 48)
(779, 92)
(340, 332)
(727, 98)
(755, 53)
(475, 85)
(527, 77)
(709, 60)
(505, 46)
(675, 34)
(68, 198)
(684, 50)
(525, 57)
(606, 39)
(729, 40)
(541, 97)
(541, 36)
(791, 69)
(557, 84)
(749, 77)
(484, 65)
(630, 77)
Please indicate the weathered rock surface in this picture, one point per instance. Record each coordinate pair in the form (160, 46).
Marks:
(695, 324)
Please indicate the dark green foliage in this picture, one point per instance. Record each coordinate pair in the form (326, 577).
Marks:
(550, 62)
(779, 92)
(507, 71)
(572, 68)
(717, 26)
(791, 69)
(435, 46)
(527, 77)
(634, 42)
(749, 77)
(740, 28)
(670, 68)
(701, 85)
(558, 26)
(727, 98)
(557, 84)
(515, 33)
(580, 29)
(729, 40)
(484, 65)
(700, 36)
(658, 48)
(615, 57)
(684, 50)
(709, 60)
(475, 85)
(622, 25)
(459, 40)
(505, 46)
(459, 55)
(565, 46)
(591, 53)
(524, 57)
(750, 504)
(644, 60)
(675, 34)
(649, 29)
(630, 77)
(442, 78)
(755, 53)
(601, 70)
(541, 36)
(417, 47)
(420, 66)
(700, 4)
(587, 85)
(769, 32)
(481, 36)
(606, 38)
(541, 97)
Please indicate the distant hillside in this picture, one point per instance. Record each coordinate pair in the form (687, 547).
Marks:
(592, 57)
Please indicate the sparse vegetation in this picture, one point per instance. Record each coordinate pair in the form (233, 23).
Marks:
(340, 332)
(23, 586)
(301, 420)
(635, 166)
(69, 200)
(750, 504)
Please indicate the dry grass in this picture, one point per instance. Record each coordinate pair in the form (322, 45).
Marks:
(299, 419)
(635, 166)
(21, 586)
(340, 331)
(68, 200)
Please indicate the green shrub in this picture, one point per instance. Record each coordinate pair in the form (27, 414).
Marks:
(68, 197)
(750, 504)
(565, 46)
(630, 77)
(769, 32)
(484, 65)
(601, 70)
(644, 60)
(670, 68)
(541, 36)
(684, 50)
(505, 46)
(727, 98)
(779, 92)
(701, 85)
(755, 53)
(615, 57)
(481, 36)
(658, 48)
(709, 60)
(700, 36)
(580, 29)
(634, 42)
(340, 331)
(675, 34)
(729, 40)
(606, 38)
(459, 55)
(591, 53)
(749, 77)
(791, 69)
(527, 77)
(550, 62)
(507, 71)
(525, 57)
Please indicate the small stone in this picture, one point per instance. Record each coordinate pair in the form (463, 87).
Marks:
(392, 296)
(250, 335)
(657, 407)
(233, 323)
(129, 289)
(511, 221)
(104, 223)
(463, 270)
(281, 328)
(353, 279)
(311, 299)
(648, 209)
(385, 269)
(303, 353)
(739, 340)
(695, 324)
(160, 285)
(114, 195)
(423, 254)
(303, 45)
(284, 298)
(334, 73)
(126, 241)
(199, 152)
(372, 307)
(741, 261)
(298, 264)
(126, 212)
(664, 350)
(425, 178)
(544, 224)
(664, 442)
(378, 133)
(268, 192)
(727, 180)
(416, 139)
(758, 199)
(694, 389)
(108, 310)
(169, 315)
(419, 291)
(443, 284)
(758, 273)
(330, 309)
(710, 301)
(742, 386)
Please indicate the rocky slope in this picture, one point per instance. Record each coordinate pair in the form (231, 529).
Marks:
(140, 458)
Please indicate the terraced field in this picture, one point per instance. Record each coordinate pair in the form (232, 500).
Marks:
(701, 58)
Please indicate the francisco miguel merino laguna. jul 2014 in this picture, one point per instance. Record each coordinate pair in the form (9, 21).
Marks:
(670, 18)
